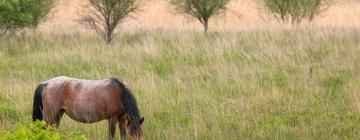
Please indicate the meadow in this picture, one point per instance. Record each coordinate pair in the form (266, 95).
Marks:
(296, 83)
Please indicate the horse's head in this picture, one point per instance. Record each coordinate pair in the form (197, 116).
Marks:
(134, 128)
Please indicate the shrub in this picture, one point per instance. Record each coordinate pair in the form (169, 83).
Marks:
(18, 14)
(202, 10)
(294, 11)
(38, 131)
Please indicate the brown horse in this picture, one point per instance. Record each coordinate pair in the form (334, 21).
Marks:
(88, 101)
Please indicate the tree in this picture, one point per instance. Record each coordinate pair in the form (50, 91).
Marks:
(103, 16)
(294, 11)
(18, 14)
(202, 10)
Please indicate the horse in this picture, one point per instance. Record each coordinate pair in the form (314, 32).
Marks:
(88, 101)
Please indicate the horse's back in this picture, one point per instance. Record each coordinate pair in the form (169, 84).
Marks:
(63, 83)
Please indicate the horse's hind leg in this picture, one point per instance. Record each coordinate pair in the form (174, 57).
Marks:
(112, 128)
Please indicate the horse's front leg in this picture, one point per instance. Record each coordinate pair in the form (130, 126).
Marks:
(122, 127)
(112, 128)
(52, 115)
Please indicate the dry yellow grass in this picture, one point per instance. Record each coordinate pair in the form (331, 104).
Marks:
(243, 15)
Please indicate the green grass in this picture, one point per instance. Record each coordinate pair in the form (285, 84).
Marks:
(288, 84)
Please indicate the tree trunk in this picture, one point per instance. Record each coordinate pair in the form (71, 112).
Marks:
(206, 26)
(109, 36)
(108, 39)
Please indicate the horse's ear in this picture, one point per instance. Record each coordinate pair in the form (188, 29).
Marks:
(141, 121)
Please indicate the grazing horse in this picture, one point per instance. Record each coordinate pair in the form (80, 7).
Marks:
(88, 101)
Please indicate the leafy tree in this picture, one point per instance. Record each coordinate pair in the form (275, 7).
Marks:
(103, 16)
(294, 11)
(18, 14)
(202, 10)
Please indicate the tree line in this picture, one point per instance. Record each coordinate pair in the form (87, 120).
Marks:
(104, 16)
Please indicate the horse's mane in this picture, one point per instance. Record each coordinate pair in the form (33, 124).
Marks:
(129, 102)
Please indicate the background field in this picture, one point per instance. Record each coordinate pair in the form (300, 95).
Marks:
(260, 81)
(242, 15)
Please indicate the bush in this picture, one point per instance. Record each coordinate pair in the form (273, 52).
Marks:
(202, 10)
(38, 131)
(18, 14)
(294, 11)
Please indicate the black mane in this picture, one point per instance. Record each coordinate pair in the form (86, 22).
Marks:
(129, 102)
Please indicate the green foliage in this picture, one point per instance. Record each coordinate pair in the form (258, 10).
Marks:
(202, 10)
(38, 131)
(294, 11)
(17, 14)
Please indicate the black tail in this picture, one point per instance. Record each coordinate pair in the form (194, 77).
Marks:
(129, 102)
(38, 105)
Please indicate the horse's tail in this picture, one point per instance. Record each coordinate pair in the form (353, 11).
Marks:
(38, 105)
(128, 101)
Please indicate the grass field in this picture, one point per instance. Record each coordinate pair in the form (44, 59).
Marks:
(284, 84)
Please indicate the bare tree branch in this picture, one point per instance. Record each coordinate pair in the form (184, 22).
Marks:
(103, 16)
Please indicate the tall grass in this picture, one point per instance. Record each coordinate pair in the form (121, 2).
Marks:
(288, 84)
